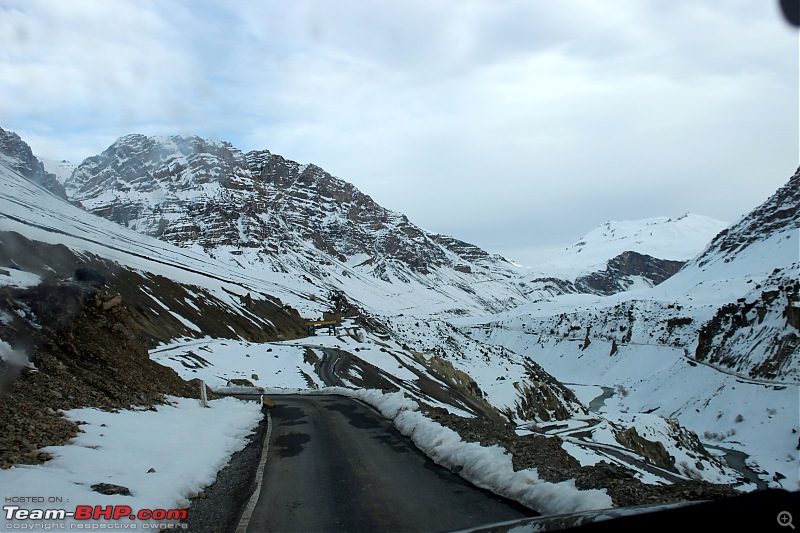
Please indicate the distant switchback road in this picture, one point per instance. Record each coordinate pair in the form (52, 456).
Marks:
(334, 464)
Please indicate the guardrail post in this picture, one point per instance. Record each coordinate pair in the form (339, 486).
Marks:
(203, 395)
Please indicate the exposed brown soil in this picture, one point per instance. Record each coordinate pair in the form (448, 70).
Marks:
(84, 350)
(257, 317)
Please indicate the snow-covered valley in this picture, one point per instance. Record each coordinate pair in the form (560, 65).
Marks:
(691, 378)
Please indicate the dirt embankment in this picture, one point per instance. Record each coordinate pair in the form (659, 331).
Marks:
(253, 316)
(553, 464)
(69, 345)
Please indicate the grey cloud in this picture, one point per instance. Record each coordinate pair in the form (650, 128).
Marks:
(471, 117)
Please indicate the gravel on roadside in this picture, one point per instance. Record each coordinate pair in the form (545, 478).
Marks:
(219, 507)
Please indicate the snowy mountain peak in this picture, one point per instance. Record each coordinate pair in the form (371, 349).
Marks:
(261, 210)
(62, 170)
(676, 239)
(624, 255)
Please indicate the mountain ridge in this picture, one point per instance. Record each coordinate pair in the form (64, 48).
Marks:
(262, 209)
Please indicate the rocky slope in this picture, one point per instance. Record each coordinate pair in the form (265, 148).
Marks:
(777, 218)
(758, 334)
(163, 309)
(69, 345)
(17, 155)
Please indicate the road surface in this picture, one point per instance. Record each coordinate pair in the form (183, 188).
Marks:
(334, 464)
(327, 367)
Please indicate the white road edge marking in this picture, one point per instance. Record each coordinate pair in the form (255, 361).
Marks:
(251, 505)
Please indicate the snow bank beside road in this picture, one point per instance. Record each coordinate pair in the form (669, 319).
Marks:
(183, 443)
(486, 467)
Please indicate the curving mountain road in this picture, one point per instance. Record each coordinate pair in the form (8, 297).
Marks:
(327, 367)
(334, 464)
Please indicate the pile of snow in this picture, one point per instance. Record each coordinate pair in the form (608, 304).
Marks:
(183, 443)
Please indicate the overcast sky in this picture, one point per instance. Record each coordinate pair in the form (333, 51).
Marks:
(516, 125)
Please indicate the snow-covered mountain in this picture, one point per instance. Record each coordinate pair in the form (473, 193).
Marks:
(17, 155)
(676, 239)
(623, 255)
(263, 211)
(62, 169)
(716, 346)
(174, 292)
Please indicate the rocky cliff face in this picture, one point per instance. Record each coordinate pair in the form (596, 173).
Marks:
(183, 190)
(758, 335)
(778, 216)
(621, 273)
(626, 271)
(17, 155)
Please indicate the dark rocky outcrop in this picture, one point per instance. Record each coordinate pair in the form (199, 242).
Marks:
(541, 397)
(652, 450)
(620, 270)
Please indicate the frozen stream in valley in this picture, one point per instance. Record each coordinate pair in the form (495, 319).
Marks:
(734, 458)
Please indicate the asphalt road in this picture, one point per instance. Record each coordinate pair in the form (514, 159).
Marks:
(334, 464)
(327, 367)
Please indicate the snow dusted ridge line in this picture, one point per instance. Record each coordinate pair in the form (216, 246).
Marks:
(489, 467)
